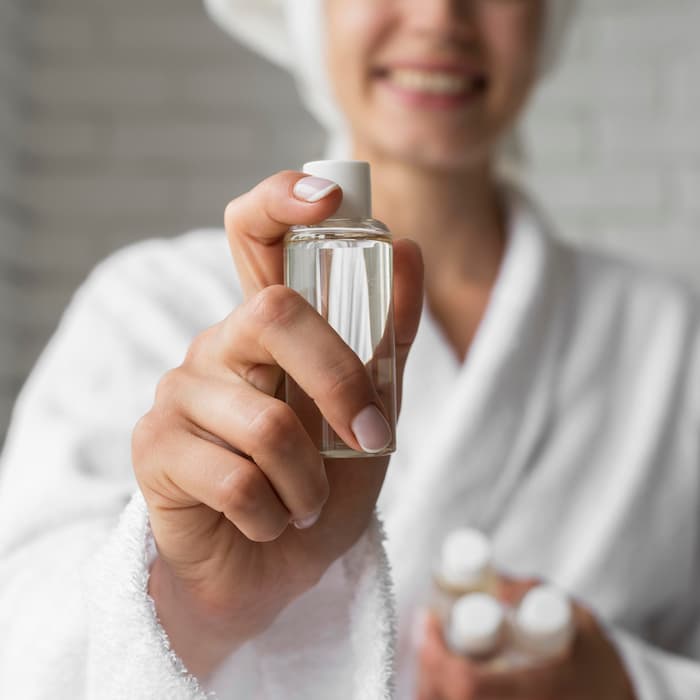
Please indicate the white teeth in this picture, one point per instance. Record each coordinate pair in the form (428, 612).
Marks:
(434, 82)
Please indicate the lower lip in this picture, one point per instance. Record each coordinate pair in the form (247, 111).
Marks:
(427, 100)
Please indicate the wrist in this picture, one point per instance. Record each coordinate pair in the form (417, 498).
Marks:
(203, 633)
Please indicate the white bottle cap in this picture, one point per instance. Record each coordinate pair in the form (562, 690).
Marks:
(545, 621)
(476, 625)
(353, 178)
(465, 558)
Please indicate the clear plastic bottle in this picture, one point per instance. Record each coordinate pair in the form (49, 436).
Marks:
(508, 638)
(477, 627)
(344, 268)
(543, 624)
(465, 566)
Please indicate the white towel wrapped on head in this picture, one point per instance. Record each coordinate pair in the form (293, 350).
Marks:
(291, 34)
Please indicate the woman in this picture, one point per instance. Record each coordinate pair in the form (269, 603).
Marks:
(551, 399)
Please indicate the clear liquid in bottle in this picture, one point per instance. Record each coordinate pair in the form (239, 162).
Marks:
(343, 268)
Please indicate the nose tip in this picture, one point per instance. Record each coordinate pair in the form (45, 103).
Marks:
(452, 19)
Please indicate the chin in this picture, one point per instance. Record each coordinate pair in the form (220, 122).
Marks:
(440, 154)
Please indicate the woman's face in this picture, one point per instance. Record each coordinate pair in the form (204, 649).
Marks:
(432, 82)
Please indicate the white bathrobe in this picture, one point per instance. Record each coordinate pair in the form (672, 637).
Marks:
(571, 435)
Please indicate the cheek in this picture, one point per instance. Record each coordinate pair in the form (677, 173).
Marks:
(512, 43)
(353, 29)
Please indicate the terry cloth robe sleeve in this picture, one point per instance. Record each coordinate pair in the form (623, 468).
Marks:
(75, 616)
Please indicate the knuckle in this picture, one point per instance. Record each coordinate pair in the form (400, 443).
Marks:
(232, 214)
(239, 493)
(198, 351)
(145, 437)
(241, 500)
(276, 305)
(169, 387)
(275, 425)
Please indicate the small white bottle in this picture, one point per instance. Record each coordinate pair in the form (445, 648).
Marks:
(465, 566)
(344, 268)
(543, 624)
(477, 627)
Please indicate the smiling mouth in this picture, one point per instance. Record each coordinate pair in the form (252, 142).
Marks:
(434, 83)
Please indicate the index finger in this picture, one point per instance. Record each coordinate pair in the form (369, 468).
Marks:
(257, 221)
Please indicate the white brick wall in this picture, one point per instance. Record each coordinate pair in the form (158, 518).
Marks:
(11, 215)
(144, 119)
(615, 135)
(138, 119)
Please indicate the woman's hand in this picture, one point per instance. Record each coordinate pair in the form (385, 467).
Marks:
(590, 670)
(245, 512)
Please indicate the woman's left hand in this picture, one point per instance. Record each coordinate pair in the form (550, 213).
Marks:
(590, 670)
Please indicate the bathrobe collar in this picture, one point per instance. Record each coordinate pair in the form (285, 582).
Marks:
(471, 429)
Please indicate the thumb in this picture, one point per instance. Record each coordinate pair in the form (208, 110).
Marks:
(408, 300)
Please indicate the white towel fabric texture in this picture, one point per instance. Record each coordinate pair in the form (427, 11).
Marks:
(291, 34)
(570, 436)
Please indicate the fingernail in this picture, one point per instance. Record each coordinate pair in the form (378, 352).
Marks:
(306, 523)
(371, 429)
(313, 189)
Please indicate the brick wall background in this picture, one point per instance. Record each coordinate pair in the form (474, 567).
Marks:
(615, 136)
(143, 119)
(140, 119)
(12, 217)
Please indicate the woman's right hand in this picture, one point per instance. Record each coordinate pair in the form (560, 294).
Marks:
(245, 512)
